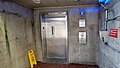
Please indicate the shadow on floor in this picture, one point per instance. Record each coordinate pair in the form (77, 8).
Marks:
(48, 65)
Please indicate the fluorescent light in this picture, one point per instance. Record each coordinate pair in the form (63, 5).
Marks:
(76, 0)
(37, 1)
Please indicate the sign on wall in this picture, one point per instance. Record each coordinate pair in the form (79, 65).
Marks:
(82, 23)
(114, 33)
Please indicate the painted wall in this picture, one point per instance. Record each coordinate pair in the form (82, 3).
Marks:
(109, 55)
(16, 35)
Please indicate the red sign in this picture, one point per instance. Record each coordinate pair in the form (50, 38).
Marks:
(114, 33)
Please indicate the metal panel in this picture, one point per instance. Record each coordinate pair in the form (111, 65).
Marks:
(82, 37)
(54, 35)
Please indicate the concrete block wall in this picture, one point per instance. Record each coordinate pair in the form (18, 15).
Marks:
(16, 35)
(109, 55)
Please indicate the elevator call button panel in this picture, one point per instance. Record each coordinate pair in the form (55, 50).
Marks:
(82, 37)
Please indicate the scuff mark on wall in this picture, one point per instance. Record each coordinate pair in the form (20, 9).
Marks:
(6, 36)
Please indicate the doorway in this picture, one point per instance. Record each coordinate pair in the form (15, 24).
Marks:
(54, 36)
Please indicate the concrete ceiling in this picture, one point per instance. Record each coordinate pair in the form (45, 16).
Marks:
(55, 3)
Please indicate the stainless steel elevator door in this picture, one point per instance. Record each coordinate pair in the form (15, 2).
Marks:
(56, 35)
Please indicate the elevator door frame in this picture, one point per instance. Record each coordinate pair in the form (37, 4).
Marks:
(45, 48)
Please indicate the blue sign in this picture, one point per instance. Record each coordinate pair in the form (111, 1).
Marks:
(101, 1)
(104, 1)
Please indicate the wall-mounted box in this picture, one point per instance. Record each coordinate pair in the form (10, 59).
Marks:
(82, 37)
(104, 36)
(81, 22)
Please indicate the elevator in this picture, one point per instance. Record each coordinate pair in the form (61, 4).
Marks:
(54, 36)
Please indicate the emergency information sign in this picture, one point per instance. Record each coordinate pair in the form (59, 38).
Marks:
(114, 33)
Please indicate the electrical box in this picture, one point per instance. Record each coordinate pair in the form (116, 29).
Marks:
(104, 36)
(82, 37)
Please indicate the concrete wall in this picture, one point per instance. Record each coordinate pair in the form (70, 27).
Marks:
(82, 53)
(77, 53)
(16, 35)
(109, 55)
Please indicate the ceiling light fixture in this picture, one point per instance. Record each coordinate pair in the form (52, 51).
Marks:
(37, 1)
(76, 0)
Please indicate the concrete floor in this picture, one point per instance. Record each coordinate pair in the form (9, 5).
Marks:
(47, 65)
